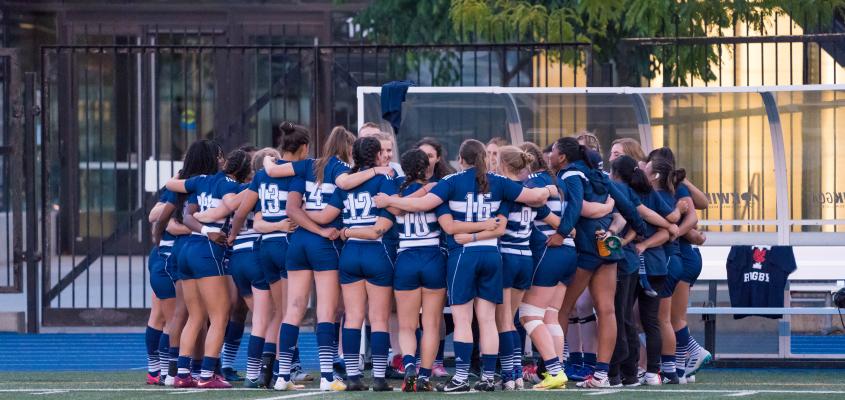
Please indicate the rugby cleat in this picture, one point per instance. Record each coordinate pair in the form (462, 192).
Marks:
(230, 375)
(439, 371)
(594, 383)
(335, 385)
(651, 379)
(356, 385)
(182, 383)
(381, 385)
(696, 360)
(153, 380)
(552, 382)
(298, 375)
(409, 383)
(216, 382)
(519, 383)
(252, 384)
(615, 381)
(283, 385)
(485, 385)
(453, 386)
(423, 385)
(529, 374)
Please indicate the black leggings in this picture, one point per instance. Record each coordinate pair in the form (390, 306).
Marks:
(649, 307)
(627, 351)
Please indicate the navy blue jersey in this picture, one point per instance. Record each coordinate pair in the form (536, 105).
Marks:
(359, 210)
(419, 229)
(207, 191)
(317, 196)
(656, 203)
(554, 203)
(757, 276)
(680, 192)
(467, 204)
(671, 247)
(519, 226)
(272, 196)
(247, 232)
(167, 239)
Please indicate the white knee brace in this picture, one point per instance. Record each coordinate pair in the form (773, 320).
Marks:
(527, 310)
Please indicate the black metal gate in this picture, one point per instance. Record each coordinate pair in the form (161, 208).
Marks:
(118, 117)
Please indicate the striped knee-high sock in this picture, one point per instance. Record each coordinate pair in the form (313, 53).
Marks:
(288, 335)
(506, 350)
(325, 336)
(208, 366)
(253, 357)
(231, 343)
(152, 336)
(516, 360)
(163, 354)
(380, 348)
(438, 360)
(463, 357)
(681, 344)
(352, 351)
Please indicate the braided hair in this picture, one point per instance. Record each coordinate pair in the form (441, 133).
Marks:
(365, 153)
(474, 154)
(200, 159)
(414, 163)
(238, 165)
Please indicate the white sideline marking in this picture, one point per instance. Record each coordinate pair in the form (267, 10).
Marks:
(603, 392)
(292, 396)
(189, 391)
(50, 392)
(743, 393)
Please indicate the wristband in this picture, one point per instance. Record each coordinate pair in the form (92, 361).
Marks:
(207, 229)
(474, 237)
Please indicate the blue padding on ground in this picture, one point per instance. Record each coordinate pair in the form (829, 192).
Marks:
(106, 351)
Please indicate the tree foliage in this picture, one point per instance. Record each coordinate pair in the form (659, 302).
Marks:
(603, 23)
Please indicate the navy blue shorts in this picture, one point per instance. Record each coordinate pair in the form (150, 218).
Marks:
(418, 267)
(676, 270)
(172, 264)
(474, 272)
(308, 251)
(201, 258)
(160, 281)
(366, 260)
(247, 272)
(555, 265)
(517, 271)
(272, 254)
(656, 263)
(691, 259)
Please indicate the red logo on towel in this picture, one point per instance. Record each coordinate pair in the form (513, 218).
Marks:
(759, 257)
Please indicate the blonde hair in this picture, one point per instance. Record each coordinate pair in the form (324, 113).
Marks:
(514, 158)
(338, 144)
(591, 141)
(630, 148)
(388, 136)
(258, 157)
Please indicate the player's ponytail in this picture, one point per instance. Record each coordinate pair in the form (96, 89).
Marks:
(415, 164)
(293, 137)
(514, 159)
(627, 170)
(680, 175)
(665, 173)
(474, 154)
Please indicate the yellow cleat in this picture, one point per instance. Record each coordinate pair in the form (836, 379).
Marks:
(552, 382)
(336, 385)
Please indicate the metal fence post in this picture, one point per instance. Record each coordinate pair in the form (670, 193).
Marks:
(29, 155)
